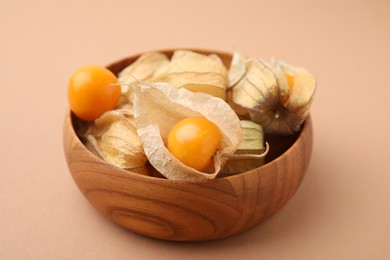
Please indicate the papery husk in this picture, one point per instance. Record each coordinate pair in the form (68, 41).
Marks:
(264, 90)
(142, 69)
(237, 69)
(250, 153)
(242, 112)
(303, 88)
(158, 107)
(195, 72)
(113, 137)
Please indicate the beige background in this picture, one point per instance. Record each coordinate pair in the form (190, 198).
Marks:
(342, 209)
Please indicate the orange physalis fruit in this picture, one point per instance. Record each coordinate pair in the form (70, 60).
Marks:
(91, 92)
(194, 141)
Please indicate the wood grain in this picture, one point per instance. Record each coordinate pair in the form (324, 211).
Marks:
(188, 211)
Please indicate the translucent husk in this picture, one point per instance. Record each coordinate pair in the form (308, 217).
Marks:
(263, 88)
(159, 106)
(113, 137)
(195, 72)
(237, 69)
(143, 68)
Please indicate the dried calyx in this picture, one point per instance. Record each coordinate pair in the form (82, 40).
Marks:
(158, 107)
(186, 69)
(277, 96)
(113, 137)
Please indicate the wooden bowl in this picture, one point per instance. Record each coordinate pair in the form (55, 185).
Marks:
(183, 210)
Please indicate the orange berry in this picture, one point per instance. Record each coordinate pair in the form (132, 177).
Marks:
(194, 141)
(91, 93)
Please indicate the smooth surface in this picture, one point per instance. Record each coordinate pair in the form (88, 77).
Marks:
(341, 210)
(201, 210)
